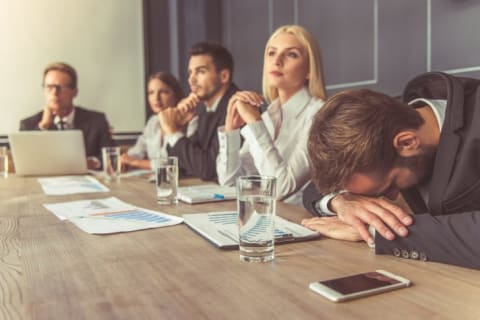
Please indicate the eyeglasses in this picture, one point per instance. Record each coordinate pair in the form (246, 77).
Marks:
(52, 87)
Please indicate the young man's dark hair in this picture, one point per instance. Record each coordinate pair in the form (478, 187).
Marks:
(222, 58)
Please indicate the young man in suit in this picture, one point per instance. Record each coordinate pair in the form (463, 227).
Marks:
(210, 70)
(59, 113)
(366, 148)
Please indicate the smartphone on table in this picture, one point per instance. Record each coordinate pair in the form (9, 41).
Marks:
(359, 285)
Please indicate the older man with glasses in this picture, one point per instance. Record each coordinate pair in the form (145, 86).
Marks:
(59, 113)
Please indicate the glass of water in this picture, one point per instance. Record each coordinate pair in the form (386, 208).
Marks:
(256, 217)
(111, 163)
(3, 162)
(166, 179)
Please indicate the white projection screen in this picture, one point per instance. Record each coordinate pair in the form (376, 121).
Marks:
(102, 40)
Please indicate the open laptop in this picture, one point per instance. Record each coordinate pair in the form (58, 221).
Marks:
(44, 153)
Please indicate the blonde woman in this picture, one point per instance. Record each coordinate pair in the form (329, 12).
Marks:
(275, 141)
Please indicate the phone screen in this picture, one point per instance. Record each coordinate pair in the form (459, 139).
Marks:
(359, 282)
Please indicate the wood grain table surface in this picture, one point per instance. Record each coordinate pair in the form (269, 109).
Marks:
(50, 269)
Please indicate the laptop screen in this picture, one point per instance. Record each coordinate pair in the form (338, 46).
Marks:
(43, 153)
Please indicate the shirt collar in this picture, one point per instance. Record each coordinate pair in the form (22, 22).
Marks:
(438, 107)
(67, 119)
(294, 106)
(214, 106)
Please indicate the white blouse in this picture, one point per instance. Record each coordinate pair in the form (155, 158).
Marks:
(284, 157)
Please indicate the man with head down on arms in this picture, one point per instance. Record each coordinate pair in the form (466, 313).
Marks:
(366, 148)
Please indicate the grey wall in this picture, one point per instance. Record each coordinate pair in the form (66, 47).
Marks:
(378, 44)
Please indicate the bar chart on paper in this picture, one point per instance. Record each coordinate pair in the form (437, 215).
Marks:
(221, 228)
(231, 218)
(136, 215)
(110, 215)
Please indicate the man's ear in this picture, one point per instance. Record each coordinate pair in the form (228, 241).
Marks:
(75, 92)
(225, 76)
(407, 143)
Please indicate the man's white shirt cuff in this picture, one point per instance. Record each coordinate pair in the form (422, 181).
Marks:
(322, 204)
(172, 139)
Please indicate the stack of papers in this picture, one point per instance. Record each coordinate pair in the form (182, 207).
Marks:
(206, 193)
(71, 185)
(110, 215)
(221, 228)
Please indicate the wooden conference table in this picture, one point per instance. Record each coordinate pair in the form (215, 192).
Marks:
(50, 269)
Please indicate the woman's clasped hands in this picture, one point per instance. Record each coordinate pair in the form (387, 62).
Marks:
(243, 108)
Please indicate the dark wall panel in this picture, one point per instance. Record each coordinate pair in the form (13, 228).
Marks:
(348, 52)
(402, 52)
(245, 32)
(377, 44)
(283, 12)
(455, 34)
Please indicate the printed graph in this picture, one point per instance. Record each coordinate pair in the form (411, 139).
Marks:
(228, 218)
(137, 215)
(259, 228)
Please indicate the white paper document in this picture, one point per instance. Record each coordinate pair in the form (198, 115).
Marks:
(71, 185)
(110, 215)
(221, 228)
(139, 173)
(206, 193)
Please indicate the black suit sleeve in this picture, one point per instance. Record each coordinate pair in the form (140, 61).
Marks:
(31, 123)
(195, 160)
(451, 239)
(24, 125)
(97, 135)
(310, 197)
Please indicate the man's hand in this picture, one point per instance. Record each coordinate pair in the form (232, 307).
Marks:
(47, 118)
(189, 104)
(168, 120)
(333, 228)
(93, 163)
(175, 119)
(360, 211)
(184, 117)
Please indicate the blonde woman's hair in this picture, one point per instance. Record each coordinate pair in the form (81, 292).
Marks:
(315, 84)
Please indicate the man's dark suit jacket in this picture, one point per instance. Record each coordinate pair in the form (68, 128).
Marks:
(197, 154)
(94, 125)
(450, 231)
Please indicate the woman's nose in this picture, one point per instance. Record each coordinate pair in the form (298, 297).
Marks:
(278, 59)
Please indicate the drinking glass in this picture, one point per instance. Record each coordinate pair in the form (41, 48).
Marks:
(166, 179)
(3, 162)
(256, 217)
(111, 163)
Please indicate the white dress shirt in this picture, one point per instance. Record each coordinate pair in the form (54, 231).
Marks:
(151, 143)
(67, 121)
(284, 157)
